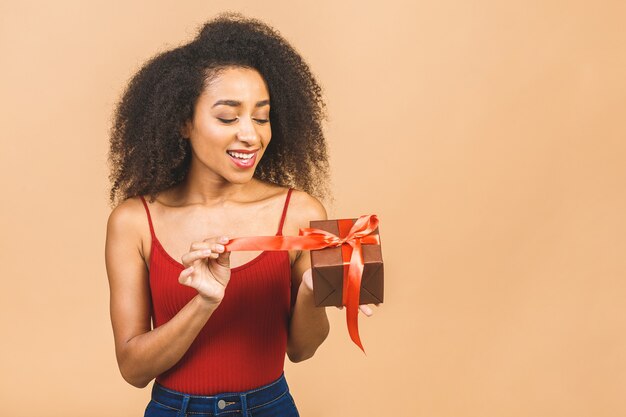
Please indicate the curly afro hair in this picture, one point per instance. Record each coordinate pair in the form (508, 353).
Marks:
(147, 151)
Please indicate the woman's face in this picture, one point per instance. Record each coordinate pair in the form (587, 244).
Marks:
(230, 129)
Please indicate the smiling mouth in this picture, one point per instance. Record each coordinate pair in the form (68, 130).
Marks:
(243, 159)
(241, 155)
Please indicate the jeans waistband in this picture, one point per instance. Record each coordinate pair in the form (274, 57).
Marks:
(220, 404)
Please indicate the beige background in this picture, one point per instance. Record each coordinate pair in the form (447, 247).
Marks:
(489, 136)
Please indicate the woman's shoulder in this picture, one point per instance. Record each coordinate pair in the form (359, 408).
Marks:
(306, 206)
(129, 216)
(302, 208)
(301, 203)
(128, 228)
(129, 209)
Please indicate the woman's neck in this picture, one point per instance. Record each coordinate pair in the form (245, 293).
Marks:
(209, 192)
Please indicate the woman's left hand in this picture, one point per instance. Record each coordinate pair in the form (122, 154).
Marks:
(307, 278)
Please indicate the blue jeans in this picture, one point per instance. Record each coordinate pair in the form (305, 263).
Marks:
(273, 399)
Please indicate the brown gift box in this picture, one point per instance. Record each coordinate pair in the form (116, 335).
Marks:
(328, 270)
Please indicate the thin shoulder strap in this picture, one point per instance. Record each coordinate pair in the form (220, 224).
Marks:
(148, 213)
(282, 218)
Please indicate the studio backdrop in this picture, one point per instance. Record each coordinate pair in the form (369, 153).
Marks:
(489, 137)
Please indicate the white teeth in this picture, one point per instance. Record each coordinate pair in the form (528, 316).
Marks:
(241, 155)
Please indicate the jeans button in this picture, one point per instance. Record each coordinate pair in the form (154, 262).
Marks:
(221, 404)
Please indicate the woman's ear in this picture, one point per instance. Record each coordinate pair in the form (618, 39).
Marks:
(184, 129)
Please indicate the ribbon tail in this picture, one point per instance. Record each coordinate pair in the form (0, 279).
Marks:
(355, 272)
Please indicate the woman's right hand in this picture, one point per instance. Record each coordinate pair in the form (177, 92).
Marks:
(207, 269)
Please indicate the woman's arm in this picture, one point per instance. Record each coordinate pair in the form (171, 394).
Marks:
(142, 353)
(309, 325)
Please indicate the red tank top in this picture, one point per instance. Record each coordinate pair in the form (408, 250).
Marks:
(242, 346)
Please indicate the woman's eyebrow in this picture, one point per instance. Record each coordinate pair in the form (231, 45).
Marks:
(236, 103)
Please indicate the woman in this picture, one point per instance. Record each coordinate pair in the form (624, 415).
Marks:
(218, 138)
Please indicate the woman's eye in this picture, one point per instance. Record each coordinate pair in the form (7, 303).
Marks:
(262, 121)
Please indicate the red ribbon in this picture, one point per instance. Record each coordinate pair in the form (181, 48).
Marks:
(311, 239)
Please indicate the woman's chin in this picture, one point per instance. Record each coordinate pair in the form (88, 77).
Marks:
(241, 178)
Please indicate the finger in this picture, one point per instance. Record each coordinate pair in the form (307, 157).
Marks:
(185, 276)
(191, 257)
(218, 239)
(199, 246)
(208, 243)
(215, 249)
(223, 259)
(307, 278)
(220, 254)
(365, 309)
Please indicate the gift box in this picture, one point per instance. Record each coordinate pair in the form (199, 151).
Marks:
(330, 266)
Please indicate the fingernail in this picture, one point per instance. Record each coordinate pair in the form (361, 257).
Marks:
(219, 247)
(224, 239)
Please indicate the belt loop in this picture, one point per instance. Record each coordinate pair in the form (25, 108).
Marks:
(183, 407)
(244, 405)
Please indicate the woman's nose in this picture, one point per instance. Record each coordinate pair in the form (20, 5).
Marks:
(247, 132)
